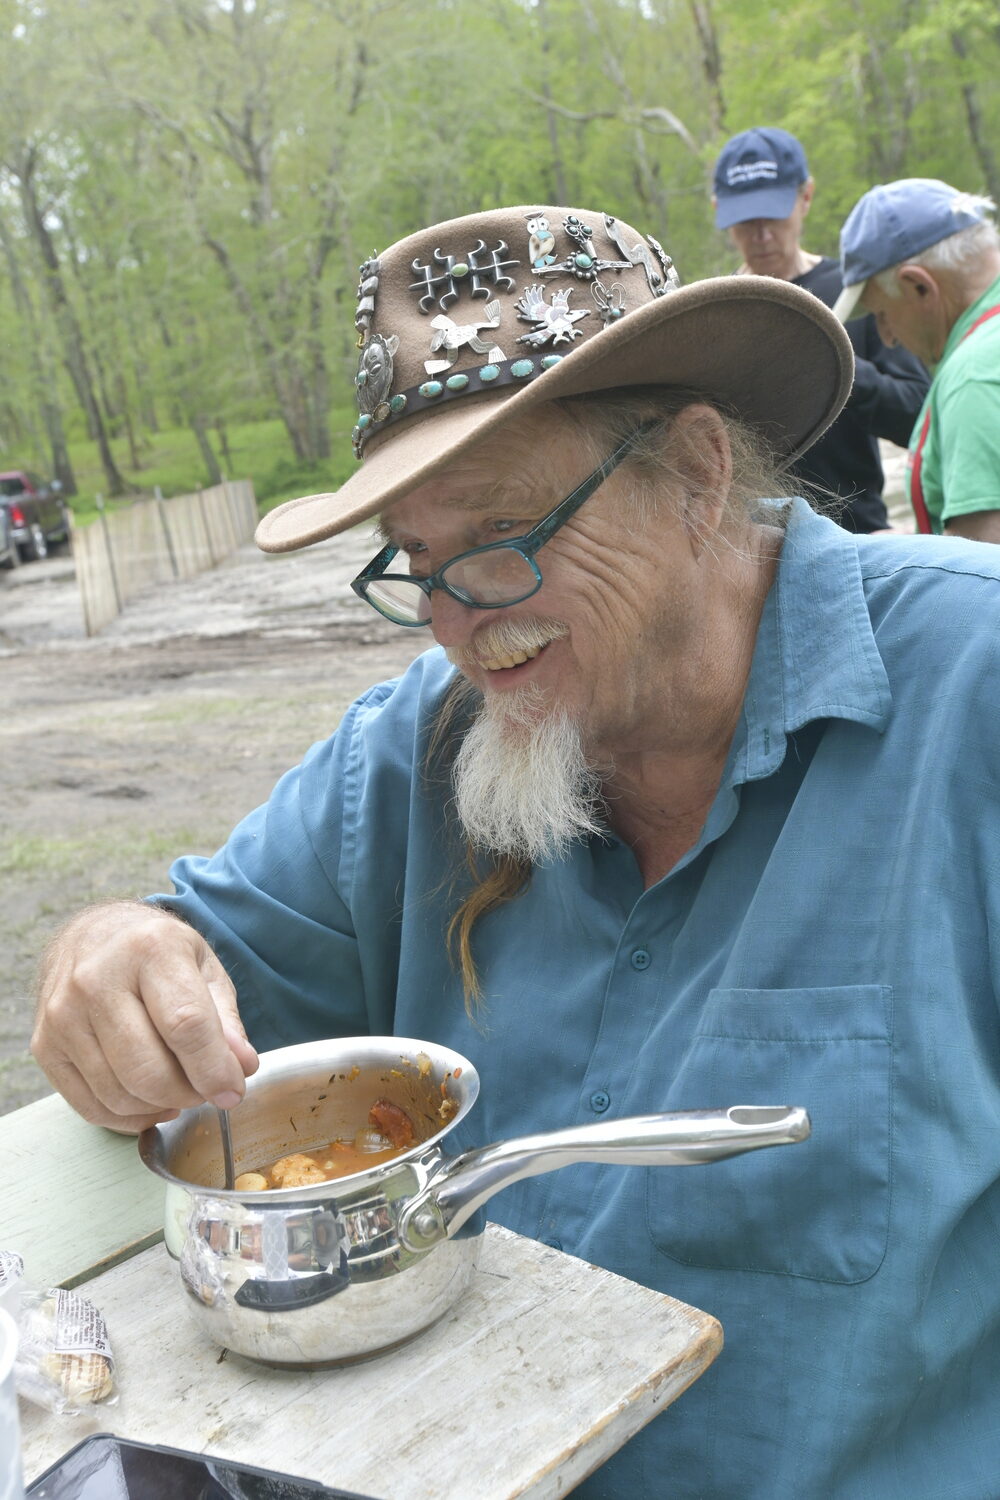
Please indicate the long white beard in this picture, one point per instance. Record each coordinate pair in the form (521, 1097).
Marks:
(522, 783)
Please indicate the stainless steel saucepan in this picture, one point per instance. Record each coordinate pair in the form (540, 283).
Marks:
(339, 1271)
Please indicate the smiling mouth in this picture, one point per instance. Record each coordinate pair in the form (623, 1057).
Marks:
(513, 659)
(506, 645)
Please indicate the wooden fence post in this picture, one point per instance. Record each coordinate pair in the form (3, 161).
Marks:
(109, 548)
(162, 512)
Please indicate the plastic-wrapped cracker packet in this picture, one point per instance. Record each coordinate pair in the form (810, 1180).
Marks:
(11, 1272)
(64, 1359)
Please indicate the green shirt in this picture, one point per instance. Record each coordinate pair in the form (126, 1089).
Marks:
(960, 471)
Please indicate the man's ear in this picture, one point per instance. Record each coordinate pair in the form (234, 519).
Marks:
(917, 282)
(705, 457)
(806, 192)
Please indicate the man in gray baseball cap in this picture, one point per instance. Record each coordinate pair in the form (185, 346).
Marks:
(925, 259)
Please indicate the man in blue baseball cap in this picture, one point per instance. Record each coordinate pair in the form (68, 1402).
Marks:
(924, 258)
(762, 196)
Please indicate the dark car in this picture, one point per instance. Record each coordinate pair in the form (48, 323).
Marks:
(32, 517)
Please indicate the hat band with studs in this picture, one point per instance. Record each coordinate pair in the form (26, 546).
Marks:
(490, 377)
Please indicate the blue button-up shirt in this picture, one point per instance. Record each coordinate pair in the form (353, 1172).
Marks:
(830, 941)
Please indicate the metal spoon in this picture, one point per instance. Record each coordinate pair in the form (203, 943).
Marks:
(227, 1148)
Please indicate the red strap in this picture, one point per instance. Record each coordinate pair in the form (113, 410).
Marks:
(916, 463)
(916, 458)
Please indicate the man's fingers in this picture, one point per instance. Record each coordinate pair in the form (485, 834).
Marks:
(183, 1009)
(224, 995)
(69, 1081)
(127, 1068)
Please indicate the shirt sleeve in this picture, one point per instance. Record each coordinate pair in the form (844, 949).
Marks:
(966, 427)
(277, 900)
(889, 387)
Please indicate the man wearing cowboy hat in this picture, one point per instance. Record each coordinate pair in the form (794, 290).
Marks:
(686, 813)
(925, 259)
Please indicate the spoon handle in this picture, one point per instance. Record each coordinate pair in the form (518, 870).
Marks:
(227, 1148)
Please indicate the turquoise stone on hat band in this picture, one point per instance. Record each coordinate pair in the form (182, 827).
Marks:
(486, 377)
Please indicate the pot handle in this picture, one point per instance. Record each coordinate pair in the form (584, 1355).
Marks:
(686, 1138)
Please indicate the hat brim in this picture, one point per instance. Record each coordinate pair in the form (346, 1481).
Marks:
(761, 203)
(847, 305)
(764, 349)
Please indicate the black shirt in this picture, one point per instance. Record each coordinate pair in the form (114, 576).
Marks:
(888, 392)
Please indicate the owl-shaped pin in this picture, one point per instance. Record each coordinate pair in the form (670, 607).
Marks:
(541, 241)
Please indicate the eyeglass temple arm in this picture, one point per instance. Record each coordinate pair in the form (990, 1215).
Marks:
(377, 565)
(546, 528)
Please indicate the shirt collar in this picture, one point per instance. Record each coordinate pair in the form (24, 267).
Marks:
(815, 655)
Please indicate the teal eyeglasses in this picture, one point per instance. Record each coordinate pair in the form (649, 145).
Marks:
(487, 577)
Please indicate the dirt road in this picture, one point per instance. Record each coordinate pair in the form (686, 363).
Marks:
(120, 752)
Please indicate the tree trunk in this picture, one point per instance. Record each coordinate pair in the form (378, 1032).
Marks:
(285, 377)
(42, 378)
(319, 378)
(711, 61)
(980, 143)
(561, 192)
(886, 107)
(197, 425)
(646, 175)
(74, 353)
(223, 437)
(62, 469)
(135, 459)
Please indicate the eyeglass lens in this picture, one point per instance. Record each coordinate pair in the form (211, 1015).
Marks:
(500, 575)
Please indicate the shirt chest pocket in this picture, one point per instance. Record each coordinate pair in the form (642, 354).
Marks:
(819, 1209)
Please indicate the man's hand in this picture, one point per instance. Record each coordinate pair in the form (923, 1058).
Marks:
(137, 1018)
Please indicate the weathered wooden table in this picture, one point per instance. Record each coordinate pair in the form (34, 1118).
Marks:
(544, 1368)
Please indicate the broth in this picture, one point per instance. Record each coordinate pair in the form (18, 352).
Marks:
(388, 1134)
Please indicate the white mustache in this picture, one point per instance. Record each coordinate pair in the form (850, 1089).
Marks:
(506, 638)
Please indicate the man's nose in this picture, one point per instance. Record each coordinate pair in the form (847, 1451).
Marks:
(452, 623)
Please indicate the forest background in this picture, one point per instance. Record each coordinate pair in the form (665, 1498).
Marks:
(187, 187)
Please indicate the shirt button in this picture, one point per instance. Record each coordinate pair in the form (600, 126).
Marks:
(640, 959)
(600, 1101)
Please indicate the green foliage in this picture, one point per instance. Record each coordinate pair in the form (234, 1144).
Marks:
(208, 174)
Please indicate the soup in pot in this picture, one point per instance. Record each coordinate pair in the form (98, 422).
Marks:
(389, 1133)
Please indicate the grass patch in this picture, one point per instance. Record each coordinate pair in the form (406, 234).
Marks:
(258, 451)
(43, 857)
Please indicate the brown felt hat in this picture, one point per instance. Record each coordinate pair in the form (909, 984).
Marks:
(471, 322)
